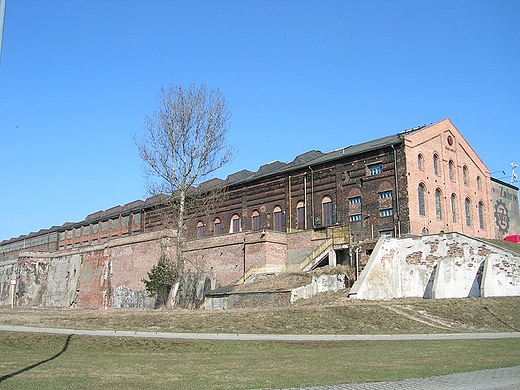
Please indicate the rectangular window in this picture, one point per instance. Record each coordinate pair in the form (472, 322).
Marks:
(86, 230)
(300, 215)
(328, 214)
(218, 228)
(236, 225)
(356, 200)
(279, 221)
(355, 218)
(256, 222)
(78, 232)
(136, 218)
(104, 226)
(386, 213)
(62, 236)
(375, 169)
(385, 194)
(115, 223)
(126, 220)
(95, 228)
(94, 241)
(69, 233)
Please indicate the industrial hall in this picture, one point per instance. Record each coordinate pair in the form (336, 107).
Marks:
(322, 208)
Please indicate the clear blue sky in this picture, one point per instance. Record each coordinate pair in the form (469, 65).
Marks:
(77, 79)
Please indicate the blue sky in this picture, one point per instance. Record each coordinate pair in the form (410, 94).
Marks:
(78, 78)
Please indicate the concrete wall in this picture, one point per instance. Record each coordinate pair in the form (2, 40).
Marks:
(101, 276)
(440, 266)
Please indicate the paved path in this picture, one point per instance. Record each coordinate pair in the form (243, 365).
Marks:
(496, 379)
(265, 337)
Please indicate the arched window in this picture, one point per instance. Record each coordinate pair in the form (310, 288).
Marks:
(451, 170)
(481, 214)
(420, 162)
(217, 227)
(300, 215)
(235, 224)
(465, 175)
(200, 229)
(327, 211)
(424, 231)
(453, 208)
(420, 196)
(467, 209)
(278, 219)
(255, 220)
(438, 204)
(436, 164)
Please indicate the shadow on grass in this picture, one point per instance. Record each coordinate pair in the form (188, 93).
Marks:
(5, 377)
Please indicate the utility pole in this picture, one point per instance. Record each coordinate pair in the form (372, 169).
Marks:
(2, 18)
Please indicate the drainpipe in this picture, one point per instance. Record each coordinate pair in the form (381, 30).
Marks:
(396, 193)
(290, 207)
(305, 200)
(312, 196)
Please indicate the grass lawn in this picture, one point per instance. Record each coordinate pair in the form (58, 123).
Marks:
(45, 361)
(48, 361)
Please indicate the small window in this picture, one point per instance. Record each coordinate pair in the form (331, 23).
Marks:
(115, 223)
(235, 224)
(126, 220)
(217, 227)
(436, 164)
(420, 195)
(420, 162)
(387, 233)
(86, 230)
(327, 210)
(255, 220)
(355, 218)
(355, 200)
(385, 194)
(479, 183)
(279, 219)
(69, 233)
(438, 204)
(77, 232)
(104, 226)
(386, 213)
(467, 209)
(424, 231)
(136, 218)
(200, 229)
(481, 215)
(94, 241)
(95, 228)
(465, 175)
(375, 169)
(300, 215)
(453, 208)
(451, 170)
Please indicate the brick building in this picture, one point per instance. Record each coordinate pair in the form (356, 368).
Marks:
(320, 208)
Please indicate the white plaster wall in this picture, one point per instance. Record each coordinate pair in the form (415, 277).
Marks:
(439, 266)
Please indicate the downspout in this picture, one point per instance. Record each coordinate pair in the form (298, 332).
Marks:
(290, 207)
(396, 193)
(312, 196)
(305, 200)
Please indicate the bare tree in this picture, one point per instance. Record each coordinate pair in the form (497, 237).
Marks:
(184, 142)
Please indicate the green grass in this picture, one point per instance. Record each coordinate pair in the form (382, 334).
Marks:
(44, 361)
(47, 361)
